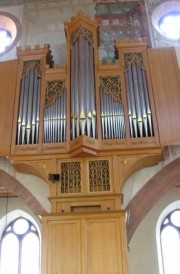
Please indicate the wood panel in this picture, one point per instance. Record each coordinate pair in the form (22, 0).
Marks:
(63, 252)
(103, 247)
(8, 74)
(84, 243)
(166, 87)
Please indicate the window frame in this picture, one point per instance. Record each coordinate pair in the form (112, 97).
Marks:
(14, 217)
(164, 214)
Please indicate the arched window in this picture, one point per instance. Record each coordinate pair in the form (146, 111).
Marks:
(168, 240)
(20, 248)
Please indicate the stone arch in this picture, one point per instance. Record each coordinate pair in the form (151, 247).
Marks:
(9, 182)
(150, 193)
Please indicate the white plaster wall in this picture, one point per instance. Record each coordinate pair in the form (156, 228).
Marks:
(43, 23)
(12, 208)
(142, 255)
(137, 180)
(37, 186)
(178, 54)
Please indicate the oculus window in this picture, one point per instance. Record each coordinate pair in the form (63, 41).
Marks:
(10, 32)
(5, 38)
(166, 20)
(169, 25)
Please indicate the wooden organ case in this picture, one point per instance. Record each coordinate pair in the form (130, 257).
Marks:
(94, 124)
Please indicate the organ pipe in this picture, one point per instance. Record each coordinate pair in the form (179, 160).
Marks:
(83, 112)
(112, 117)
(112, 112)
(84, 76)
(139, 111)
(55, 112)
(28, 116)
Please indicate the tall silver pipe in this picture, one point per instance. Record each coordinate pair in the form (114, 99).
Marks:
(21, 102)
(29, 106)
(73, 85)
(34, 108)
(106, 116)
(76, 89)
(132, 102)
(82, 83)
(137, 98)
(92, 90)
(37, 112)
(83, 113)
(142, 100)
(102, 113)
(146, 95)
(64, 115)
(24, 110)
(88, 105)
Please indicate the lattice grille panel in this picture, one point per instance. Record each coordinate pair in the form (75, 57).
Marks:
(71, 177)
(99, 179)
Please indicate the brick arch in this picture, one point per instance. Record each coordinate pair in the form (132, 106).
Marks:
(150, 193)
(9, 182)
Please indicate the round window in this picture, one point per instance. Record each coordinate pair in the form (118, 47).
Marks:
(166, 20)
(10, 32)
(5, 38)
(169, 24)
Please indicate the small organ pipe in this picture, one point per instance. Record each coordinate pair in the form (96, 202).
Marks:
(112, 117)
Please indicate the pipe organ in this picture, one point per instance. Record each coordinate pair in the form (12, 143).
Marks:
(98, 103)
(93, 123)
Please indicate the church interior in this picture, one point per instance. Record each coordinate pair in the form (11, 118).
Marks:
(89, 136)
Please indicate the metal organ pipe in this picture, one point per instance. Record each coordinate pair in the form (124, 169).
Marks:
(28, 116)
(83, 112)
(112, 117)
(146, 96)
(55, 119)
(138, 100)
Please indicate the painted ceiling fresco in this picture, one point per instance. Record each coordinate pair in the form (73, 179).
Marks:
(122, 20)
